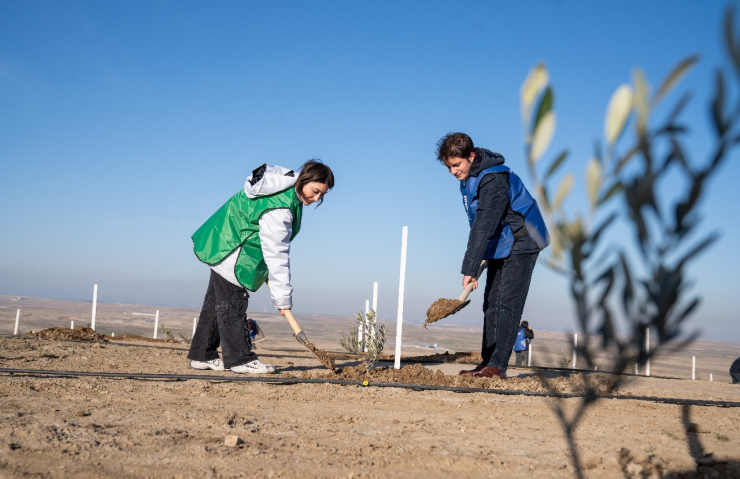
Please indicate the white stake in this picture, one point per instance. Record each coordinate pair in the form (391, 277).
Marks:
(71, 325)
(647, 348)
(575, 349)
(156, 323)
(95, 306)
(375, 299)
(375, 307)
(529, 356)
(112, 335)
(17, 318)
(693, 368)
(195, 323)
(360, 330)
(637, 368)
(710, 377)
(401, 281)
(364, 322)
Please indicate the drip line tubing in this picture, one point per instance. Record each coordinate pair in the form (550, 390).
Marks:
(345, 382)
(418, 359)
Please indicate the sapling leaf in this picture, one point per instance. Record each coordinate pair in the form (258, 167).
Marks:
(718, 114)
(535, 82)
(542, 136)
(617, 113)
(674, 77)
(729, 30)
(556, 164)
(642, 107)
(544, 107)
(593, 180)
(563, 191)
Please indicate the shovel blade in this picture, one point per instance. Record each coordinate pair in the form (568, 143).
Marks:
(442, 308)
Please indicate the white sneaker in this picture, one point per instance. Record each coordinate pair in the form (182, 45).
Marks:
(214, 364)
(254, 367)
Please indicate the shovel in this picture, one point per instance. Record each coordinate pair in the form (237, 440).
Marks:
(300, 336)
(320, 354)
(442, 308)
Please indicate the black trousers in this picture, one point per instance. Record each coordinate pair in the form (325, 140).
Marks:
(223, 320)
(507, 285)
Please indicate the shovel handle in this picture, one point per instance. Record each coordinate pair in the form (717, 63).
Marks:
(469, 287)
(293, 323)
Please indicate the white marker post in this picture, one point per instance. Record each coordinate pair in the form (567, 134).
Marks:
(195, 323)
(693, 368)
(360, 329)
(401, 281)
(71, 325)
(710, 377)
(365, 329)
(112, 335)
(17, 318)
(575, 348)
(647, 349)
(637, 368)
(95, 306)
(375, 307)
(156, 323)
(375, 299)
(529, 356)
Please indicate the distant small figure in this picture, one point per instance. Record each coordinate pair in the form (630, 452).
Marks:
(521, 346)
(735, 371)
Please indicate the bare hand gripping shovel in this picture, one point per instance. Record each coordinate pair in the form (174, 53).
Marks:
(300, 336)
(442, 308)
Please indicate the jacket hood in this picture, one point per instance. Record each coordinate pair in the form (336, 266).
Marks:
(484, 159)
(268, 179)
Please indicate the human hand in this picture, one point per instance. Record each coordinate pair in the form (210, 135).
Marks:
(282, 311)
(470, 279)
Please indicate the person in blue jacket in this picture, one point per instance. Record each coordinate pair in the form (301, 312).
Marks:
(507, 229)
(735, 371)
(524, 336)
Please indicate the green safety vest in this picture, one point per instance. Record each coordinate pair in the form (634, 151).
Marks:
(236, 224)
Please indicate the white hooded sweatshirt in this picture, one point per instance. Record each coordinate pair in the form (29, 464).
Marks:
(276, 228)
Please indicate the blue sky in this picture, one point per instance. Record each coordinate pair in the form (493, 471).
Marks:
(124, 125)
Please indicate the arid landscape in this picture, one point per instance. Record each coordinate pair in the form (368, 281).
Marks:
(216, 424)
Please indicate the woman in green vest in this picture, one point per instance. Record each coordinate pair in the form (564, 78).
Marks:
(246, 242)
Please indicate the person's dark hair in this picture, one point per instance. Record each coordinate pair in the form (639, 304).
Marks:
(314, 170)
(524, 324)
(454, 145)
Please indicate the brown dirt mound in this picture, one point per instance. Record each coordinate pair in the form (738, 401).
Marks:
(322, 356)
(442, 308)
(134, 337)
(418, 374)
(81, 333)
(446, 357)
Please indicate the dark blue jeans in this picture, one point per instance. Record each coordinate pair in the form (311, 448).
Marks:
(223, 320)
(507, 285)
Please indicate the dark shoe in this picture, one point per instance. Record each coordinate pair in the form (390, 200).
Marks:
(465, 372)
(490, 372)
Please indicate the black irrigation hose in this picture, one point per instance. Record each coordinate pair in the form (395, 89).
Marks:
(345, 382)
(416, 359)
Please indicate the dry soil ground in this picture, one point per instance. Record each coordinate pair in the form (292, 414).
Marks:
(114, 427)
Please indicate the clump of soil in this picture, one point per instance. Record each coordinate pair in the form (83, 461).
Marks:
(135, 337)
(322, 356)
(418, 374)
(446, 357)
(80, 333)
(442, 308)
